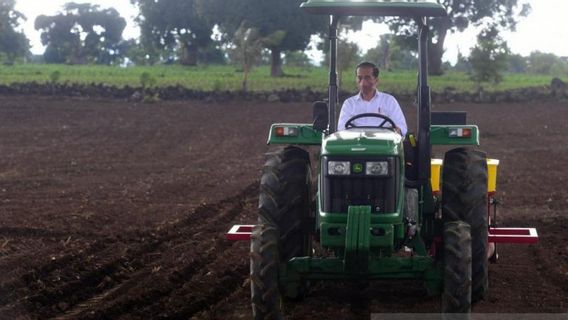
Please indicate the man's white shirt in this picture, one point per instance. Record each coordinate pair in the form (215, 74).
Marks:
(382, 103)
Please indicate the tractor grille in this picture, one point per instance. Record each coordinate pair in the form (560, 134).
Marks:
(339, 192)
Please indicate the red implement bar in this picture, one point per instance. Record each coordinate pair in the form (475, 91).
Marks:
(513, 235)
(496, 235)
(239, 232)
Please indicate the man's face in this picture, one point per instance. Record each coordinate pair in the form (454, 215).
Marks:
(365, 80)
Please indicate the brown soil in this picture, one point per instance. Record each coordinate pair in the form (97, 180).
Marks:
(114, 210)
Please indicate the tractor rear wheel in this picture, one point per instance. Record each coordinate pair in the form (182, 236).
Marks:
(464, 198)
(283, 230)
(456, 297)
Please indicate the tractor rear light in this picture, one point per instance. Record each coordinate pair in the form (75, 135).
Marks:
(459, 133)
(377, 168)
(338, 168)
(286, 131)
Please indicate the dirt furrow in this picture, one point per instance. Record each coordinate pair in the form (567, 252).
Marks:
(234, 306)
(38, 276)
(169, 266)
(213, 283)
(24, 232)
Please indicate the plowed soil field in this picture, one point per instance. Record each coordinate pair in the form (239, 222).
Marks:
(117, 210)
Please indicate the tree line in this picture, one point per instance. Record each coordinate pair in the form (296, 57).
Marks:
(189, 32)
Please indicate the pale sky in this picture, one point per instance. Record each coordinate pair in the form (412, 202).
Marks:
(544, 29)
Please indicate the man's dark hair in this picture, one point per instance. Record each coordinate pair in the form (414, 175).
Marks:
(367, 64)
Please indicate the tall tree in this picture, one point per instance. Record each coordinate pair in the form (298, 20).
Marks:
(347, 57)
(269, 17)
(516, 63)
(382, 54)
(489, 57)
(173, 25)
(247, 50)
(462, 63)
(546, 63)
(461, 15)
(83, 33)
(13, 44)
(389, 55)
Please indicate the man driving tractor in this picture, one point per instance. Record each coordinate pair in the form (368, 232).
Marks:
(371, 100)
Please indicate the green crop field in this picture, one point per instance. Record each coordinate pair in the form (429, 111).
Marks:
(215, 78)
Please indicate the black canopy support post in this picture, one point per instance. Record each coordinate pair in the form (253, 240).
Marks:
(332, 90)
(424, 146)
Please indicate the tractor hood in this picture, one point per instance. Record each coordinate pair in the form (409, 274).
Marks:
(355, 142)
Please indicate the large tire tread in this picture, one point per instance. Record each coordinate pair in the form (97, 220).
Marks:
(265, 295)
(464, 198)
(282, 231)
(456, 297)
(284, 198)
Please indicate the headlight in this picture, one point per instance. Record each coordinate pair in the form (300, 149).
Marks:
(377, 168)
(339, 168)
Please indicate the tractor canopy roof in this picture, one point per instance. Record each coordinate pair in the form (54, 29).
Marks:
(374, 8)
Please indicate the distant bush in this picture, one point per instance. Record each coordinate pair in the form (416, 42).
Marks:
(297, 59)
(147, 80)
(54, 77)
(546, 63)
(489, 57)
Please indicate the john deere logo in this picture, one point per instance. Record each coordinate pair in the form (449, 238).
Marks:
(357, 168)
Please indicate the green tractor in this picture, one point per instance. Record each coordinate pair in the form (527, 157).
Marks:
(384, 209)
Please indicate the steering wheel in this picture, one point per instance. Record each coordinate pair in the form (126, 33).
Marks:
(349, 124)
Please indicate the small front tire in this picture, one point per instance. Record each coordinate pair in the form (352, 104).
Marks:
(456, 296)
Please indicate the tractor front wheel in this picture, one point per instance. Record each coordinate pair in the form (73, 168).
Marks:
(283, 230)
(266, 299)
(456, 297)
(464, 198)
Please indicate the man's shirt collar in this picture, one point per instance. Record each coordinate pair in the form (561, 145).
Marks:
(360, 98)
